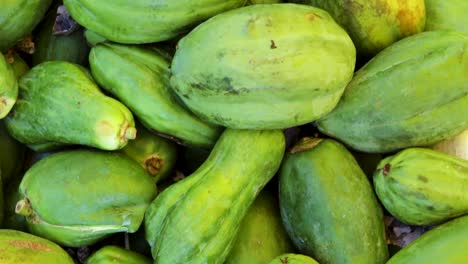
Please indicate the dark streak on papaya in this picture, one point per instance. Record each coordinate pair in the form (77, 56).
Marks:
(430, 208)
(273, 45)
(228, 86)
(422, 178)
(386, 169)
(284, 261)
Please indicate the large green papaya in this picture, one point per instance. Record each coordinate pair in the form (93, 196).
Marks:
(145, 21)
(422, 186)
(18, 18)
(447, 15)
(261, 236)
(78, 197)
(154, 153)
(59, 103)
(113, 254)
(264, 66)
(8, 87)
(196, 219)
(375, 24)
(414, 93)
(328, 206)
(49, 46)
(19, 247)
(139, 77)
(290, 258)
(443, 244)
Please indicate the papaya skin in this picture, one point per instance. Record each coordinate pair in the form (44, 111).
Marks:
(114, 254)
(291, 258)
(447, 15)
(8, 87)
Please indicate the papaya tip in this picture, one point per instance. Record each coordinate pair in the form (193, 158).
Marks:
(130, 133)
(23, 207)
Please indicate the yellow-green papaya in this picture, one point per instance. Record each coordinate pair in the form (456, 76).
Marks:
(447, 15)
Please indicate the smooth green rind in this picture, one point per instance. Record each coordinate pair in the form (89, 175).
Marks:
(196, 220)
(93, 38)
(90, 194)
(114, 254)
(139, 77)
(48, 47)
(145, 21)
(18, 18)
(155, 154)
(422, 186)
(444, 244)
(259, 2)
(59, 103)
(264, 66)
(447, 15)
(19, 247)
(261, 236)
(395, 100)
(375, 24)
(8, 87)
(293, 259)
(328, 206)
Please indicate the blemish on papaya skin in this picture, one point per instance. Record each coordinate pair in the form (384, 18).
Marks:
(430, 208)
(312, 16)
(154, 164)
(284, 261)
(31, 245)
(422, 178)
(386, 169)
(273, 45)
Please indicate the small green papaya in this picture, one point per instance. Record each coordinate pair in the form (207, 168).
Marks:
(261, 236)
(395, 102)
(19, 247)
(139, 78)
(328, 206)
(374, 25)
(447, 15)
(59, 103)
(154, 153)
(18, 18)
(133, 22)
(264, 66)
(293, 259)
(8, 87)
(421, 186)
(76, 198)
(115, 254)
(443, 244)
(196, 219)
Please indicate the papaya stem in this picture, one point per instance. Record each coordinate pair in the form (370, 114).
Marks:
(23, 207)
(130, 133)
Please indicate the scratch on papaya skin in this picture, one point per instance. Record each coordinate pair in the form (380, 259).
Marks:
(30, 244)
(422, 178)
(284, 261)
(273, 45)
(164, 135)
(386, 169)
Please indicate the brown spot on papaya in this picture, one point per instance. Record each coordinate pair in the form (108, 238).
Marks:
(422, 178)
(284, 261)
(386, 169)
(312, 16)
(36, 246)
(105, 128)
(409, 17)
(273, 45)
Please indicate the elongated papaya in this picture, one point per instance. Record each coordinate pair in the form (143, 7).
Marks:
(328, 205)
(78, 197)
(145, 21)
(395, 102)
(19, 247)
(264, 66)
(196, 219)
(447, 15)
(443, 244)
(59, 103)
(139, 77)
(8, 87)
(422, 186)
(293, 259)
(261, 236)
(114, 254)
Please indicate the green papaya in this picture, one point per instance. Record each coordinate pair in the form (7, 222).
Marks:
(59, 103)
(93, 38)
(395, 102)
(133, 22)
(196, 219)
(18, 18)
(12, 155)
(293, 259)
(422, 186)
(264, 66)
(259, 2)
(328, 206)
(374, 25)
(139, 77)
(8, 87)
(115, 254)
(447, 15)
(19, 66)
(261, 236)
(78, 197)
(443, 244)
(154, 153)
(19, 247)
(49, 46)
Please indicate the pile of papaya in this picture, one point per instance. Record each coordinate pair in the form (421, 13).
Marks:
(233, 131)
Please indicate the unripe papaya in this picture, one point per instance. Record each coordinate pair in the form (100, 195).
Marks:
(59, 103)
(422, 186)
(114, 254)
(414, 93)
(447, 15)
(8, 87)
(78, 197)
(293, 259)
